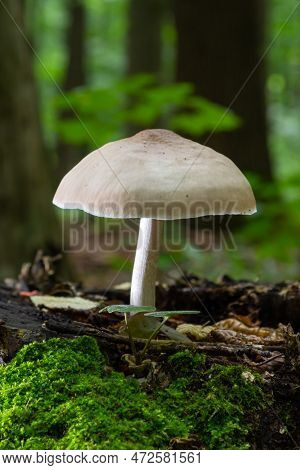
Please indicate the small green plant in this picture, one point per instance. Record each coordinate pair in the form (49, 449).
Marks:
(165, 315)
(148, 311)
(129, 310)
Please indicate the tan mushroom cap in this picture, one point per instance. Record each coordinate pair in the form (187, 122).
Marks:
(156, 174)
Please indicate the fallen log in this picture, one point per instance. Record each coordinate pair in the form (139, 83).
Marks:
(268, 303)
(22, 322)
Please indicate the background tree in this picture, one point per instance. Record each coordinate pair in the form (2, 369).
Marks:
(218, 46)
(144, 41)
(75, 75)
(25, 189)
(144, 36)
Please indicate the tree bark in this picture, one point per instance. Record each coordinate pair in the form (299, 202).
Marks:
(75, 76)
(144, 45)
(219, 45)
(144, 36)
(25, 194)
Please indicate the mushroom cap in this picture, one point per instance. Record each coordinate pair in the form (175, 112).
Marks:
(155, 174)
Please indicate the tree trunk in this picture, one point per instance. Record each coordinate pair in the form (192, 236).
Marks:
(144, 45)
(144, 36)
(25, 195)
(75, 76)
(219, 45)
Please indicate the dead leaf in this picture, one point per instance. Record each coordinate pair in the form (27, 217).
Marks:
(195, 332)
(232, 337)
(232, 330)
(138, 370)
(63, 303)
(31, 293)
(248, 376)
(236, 325)
(245, 319)
(123, 286)
(191, 442)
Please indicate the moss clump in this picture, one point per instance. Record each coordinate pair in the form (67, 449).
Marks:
(221, 403)
(187, 364)
(56, 395)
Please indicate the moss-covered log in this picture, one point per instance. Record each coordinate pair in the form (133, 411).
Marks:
(252, 388)
(59, 394)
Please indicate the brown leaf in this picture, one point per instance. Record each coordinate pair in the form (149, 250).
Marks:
(232, 337)
(236, 325)
(195, 332)
(245, 319)
(182, 443)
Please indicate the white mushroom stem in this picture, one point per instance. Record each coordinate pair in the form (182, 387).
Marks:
(143, 281)
(144, 270)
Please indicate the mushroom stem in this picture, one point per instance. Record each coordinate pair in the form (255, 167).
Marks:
(144, 270)
(143, 282)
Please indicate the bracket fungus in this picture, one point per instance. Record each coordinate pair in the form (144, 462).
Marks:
(156, 175)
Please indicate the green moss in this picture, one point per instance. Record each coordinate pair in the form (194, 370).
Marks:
(221, 404)
(57, 395)
(187, 364)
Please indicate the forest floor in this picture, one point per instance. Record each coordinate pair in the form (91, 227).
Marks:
(234, 386)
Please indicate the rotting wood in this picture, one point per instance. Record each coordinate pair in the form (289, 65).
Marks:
(271, 304)
(22, 322)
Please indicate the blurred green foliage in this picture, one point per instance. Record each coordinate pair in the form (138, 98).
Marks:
(265, 246)
(283, 86)
(277, 226)
(100, 113)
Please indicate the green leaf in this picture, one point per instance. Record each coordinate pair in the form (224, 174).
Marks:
(170, 313)
(135, 84)
(127, 309)
(204, 116)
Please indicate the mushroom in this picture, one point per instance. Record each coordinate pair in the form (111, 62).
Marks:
(155, 175)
